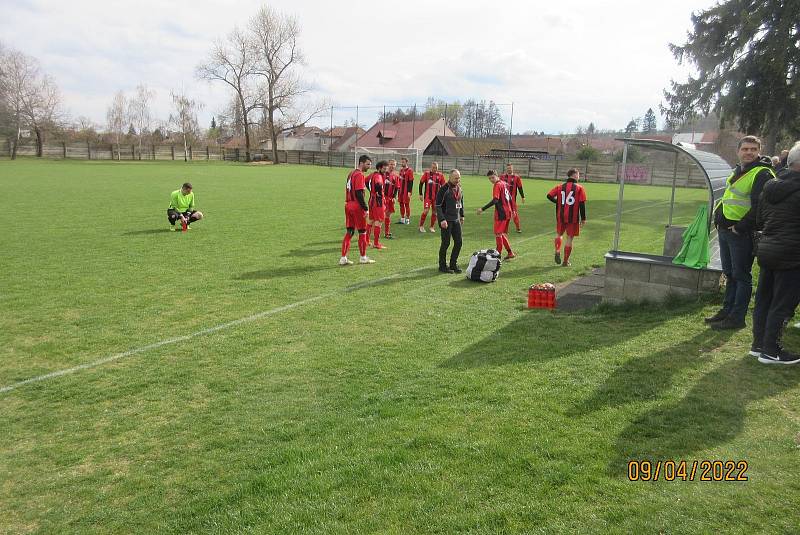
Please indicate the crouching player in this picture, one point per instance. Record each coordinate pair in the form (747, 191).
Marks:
(181, 208)
(570, 201)
(355, 212)
(501, 200)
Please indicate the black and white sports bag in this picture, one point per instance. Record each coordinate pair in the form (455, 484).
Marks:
(484, 266)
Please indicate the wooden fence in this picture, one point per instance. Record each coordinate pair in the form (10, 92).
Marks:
(659, 172)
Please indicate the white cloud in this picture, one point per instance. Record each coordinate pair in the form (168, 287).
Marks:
(562, 65)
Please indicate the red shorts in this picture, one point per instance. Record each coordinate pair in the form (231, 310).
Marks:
(427, 204)
(354, 217)
(389, 203)
(404, 199)
(501, 227)
(571, 229)
(377, 213)
(514, 206)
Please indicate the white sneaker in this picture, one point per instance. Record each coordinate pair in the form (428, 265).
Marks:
(343, 261)
(431, 229)
(422, 229)
(366, 260)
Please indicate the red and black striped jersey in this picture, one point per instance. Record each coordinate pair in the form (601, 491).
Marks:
(568, 197)
(376, 187)
(514, 183)
(406, 181)
(501, 193)
(355, 182)
(391, 186)
(431, 182)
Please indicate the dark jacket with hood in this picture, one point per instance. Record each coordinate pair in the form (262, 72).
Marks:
(748, 222)
(779, 220)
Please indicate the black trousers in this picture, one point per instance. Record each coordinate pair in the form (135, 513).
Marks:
(777, 296)
(453, 230)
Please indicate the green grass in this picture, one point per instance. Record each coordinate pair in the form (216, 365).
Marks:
(394, 400)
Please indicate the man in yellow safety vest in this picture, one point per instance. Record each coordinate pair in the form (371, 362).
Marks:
(735, 217)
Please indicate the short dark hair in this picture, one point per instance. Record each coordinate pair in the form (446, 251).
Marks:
(403, 158)
(491, 172)
(364, 158)
(749, 139)
(381, 164)
(187, 185)
(572, 172)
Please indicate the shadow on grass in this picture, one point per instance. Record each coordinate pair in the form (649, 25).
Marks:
(307, 252)
(278, 272)
(544, 335)
(646, 377)
(711, 413)
(161, 230)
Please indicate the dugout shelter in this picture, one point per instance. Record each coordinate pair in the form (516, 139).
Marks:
(636, 276)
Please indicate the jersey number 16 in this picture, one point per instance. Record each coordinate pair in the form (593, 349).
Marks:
(569, 200)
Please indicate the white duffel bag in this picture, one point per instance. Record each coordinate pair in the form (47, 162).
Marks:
(484, 266)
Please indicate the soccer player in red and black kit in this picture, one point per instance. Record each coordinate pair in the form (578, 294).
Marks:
(430, 182)
(390, 190)
(501, 200)
(377, 208)
(570, 201)
(514, 183)
(355, 212)
(406, 189)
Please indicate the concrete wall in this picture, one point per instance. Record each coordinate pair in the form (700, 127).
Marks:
(649, 278)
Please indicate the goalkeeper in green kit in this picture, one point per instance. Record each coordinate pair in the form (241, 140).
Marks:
(181, 209)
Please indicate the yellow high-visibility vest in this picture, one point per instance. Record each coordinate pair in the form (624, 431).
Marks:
(736, 199)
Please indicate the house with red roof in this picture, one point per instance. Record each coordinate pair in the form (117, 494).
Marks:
(404, 134)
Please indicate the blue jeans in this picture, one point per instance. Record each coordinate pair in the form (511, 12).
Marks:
(736, 254)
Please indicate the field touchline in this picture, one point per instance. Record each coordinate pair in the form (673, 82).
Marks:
(249, 319)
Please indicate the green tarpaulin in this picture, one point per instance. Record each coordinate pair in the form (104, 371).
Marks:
(694, 251)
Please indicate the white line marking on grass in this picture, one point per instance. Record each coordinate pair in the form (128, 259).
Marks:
(162, 343)
(250, 319)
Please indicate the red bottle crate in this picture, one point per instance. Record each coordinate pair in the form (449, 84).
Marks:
(542, 296)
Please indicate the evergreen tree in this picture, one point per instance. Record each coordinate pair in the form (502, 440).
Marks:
(632, 127)
(649, 123)
(747, 58)
(213, 123)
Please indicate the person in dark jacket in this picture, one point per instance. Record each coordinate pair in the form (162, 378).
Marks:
(735, 219)
(450, 212)
(778, 252)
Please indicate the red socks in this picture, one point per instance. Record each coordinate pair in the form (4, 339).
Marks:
(433, 219)
(377, 233)
(508, 245)
(387, 223)
(557, 241)
(346, 243)
(363, 239)
(567, 251)
(422, 220)
(498, 240)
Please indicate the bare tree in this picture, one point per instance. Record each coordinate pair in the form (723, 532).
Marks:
(117, 119)
(20, 73)
(184, 120)
(233, 62)
(278, 57)
(139, 112)
(41, 108)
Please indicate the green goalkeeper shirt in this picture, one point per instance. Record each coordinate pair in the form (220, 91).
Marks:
(180, 202)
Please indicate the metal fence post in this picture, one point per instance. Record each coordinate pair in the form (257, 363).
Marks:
(64, 147)
(173, 151)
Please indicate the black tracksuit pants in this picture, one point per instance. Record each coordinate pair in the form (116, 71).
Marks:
(777, 296)
(453, 230)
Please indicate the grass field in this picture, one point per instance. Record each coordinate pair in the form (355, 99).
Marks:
(258, 387)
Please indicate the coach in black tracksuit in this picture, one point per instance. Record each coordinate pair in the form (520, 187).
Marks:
(450, 212)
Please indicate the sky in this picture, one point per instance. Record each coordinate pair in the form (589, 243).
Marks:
(562, 64)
